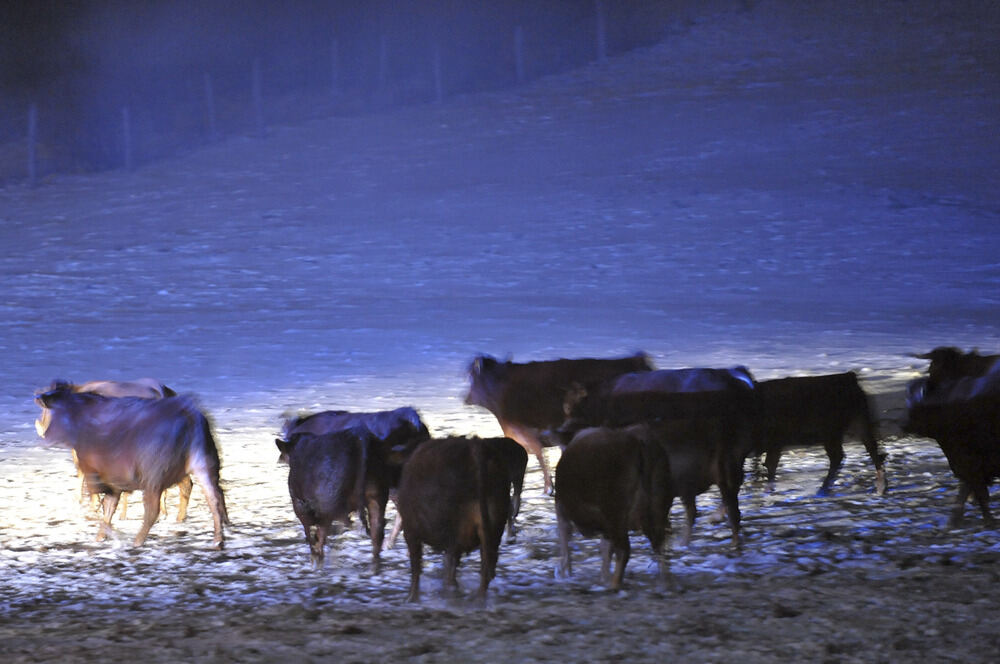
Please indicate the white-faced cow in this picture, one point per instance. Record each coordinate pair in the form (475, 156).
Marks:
(454, 496)
(527, 398)
(129, 444)
(143, 388)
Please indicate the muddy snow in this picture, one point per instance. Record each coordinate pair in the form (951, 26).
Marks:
(799, 192)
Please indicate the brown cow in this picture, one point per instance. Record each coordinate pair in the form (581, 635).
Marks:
(527, 398)
(702, 451)
(816, 410)
(129, 444)
(454, 496)
(610, 482)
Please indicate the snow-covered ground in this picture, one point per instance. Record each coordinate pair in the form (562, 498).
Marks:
(799, 188)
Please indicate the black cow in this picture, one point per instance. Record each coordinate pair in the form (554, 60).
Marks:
(816, 410)
(454, 496)
(527, 398)
(129, 444)
(330, 476)
(963, 416)
(145, 388)
(397, 431)
(949, 363)
(656, 395)
(610, 482)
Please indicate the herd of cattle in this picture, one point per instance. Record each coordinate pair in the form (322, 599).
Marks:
(633, 439)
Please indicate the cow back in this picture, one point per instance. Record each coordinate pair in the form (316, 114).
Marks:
(532, 393)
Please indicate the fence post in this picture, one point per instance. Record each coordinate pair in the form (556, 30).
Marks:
(258, 97)
(602, 31)
(127, 137)
(32, 145)
(519, 53)
(213, 134)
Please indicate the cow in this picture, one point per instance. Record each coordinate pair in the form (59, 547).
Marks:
(454, 496)
(655, 395)
(129, 444)
(332, 475)
(816, 410)
(963, 416)
(702, 451)
(145, 388)
(610, 482)
(397, 431)
(527, 398)
(949, 363)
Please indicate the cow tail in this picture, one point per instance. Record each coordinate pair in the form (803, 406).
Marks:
(210, 446)
(646, 464)
(365, 442)
(481, 461)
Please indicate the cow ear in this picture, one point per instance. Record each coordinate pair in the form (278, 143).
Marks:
(284, 446)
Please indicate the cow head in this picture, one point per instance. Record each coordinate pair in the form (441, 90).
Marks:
(485, 380)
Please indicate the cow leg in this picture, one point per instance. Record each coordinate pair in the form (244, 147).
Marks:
(515, 508)
(123, 506)
(319, 545)
(450, 585)
(623, 550)
(730, 498)
(982, 493)
(151, 512)
(606, 548)
(488, 553)
(376, 523)
(956, 513)
(565, 532)
(881, 485)
(185, 486)
(397, 526)
(690, 511)
(209, 482)
(771, 466)
(416, 550)
(835, 451)
(109, 504)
